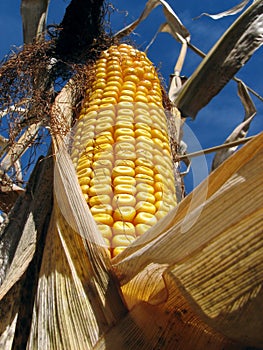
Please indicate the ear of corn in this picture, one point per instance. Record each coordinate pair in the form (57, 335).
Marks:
(121, 148)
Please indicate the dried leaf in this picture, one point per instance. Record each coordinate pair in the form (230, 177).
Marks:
(228, 55)
(177, 29)
(3, 142)
(20, 146)
(164, 317)
(241, 130)
(34, 14)
(150, 5)
(73, 293)
(176, 81)
(233, 11)
(221, 236)
(160, 30)
(250, 109)
(27, 219)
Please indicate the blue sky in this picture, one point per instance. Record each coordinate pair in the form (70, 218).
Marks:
(214, 122)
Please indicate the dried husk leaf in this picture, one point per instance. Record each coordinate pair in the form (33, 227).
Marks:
(158, 308)
(220, 65)
(150, 5)
(233, 11)
(20, 146)
(176, 82)
(10, 310)
(21, 246)
(241, 130)
(34, 14)
(70, 299)
(176, 27)
(217, 258)
(29, 213)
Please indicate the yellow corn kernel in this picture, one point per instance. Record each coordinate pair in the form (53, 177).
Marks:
(125, 188)
(103, 156)
(125, 138)
(128, 92)
(145, 197)
(123, 170)
(105, 231)
(144, 179)
(118, 250)
(124, 146)
(145, 218)
(158, 195)
(144, 170)
(142, 161)
(99, 189)
(143, 126)
(142, 132)
(126, 98)
(84, 181)
(122, 227)
(123, 199)
(124, 131)
(158, 143)
(101, 208)
(146, 207)
(102, 164)
(85, 189)
(124, 162)
(100, 172)
(86, 172)
(122, 240)
(103, 147)
(124, 214)
(122, 180)
(114, 85)
(123, 124)
(101, 199)
(103, 218)
(105, 137)
(107, 243)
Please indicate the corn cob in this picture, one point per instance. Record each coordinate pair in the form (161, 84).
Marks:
(121, 148)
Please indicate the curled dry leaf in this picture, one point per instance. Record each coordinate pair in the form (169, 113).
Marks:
(241, 130)
(34, 14)
(150, 5)
(176, 28)
(220, 65)
(233, 11)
